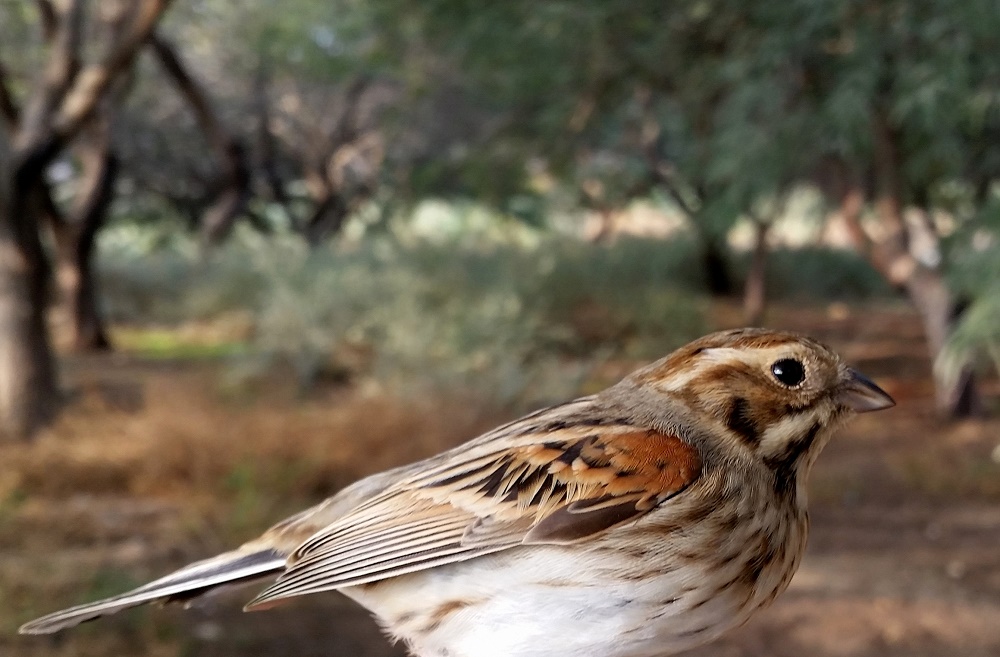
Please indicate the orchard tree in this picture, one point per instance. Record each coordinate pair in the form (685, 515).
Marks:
(905, 102)
(41, 122)
(617, 101)
(891, 107)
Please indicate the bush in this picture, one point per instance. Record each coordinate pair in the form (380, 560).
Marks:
(515, 323)
(823, 273)
(975, 278)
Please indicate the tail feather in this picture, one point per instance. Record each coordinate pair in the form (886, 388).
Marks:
(183, 585)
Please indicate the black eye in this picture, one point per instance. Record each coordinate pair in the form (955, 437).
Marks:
(789, 371)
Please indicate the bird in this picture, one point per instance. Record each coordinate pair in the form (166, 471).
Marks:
(640, 521)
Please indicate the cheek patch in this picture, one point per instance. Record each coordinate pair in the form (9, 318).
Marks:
(776, 438)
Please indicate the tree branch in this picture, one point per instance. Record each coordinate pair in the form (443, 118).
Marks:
(268, 151)
(649, 144)
(64, 33)
(231, 201)
(50, 19)
(9, 111)
(94, 80)
(346, 127)
(192, 92)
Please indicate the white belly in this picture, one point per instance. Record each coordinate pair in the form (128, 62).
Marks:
(549, 602)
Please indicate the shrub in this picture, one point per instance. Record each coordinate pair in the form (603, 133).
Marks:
(512, 322)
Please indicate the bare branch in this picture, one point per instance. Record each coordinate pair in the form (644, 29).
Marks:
(9, 111)
(669, 182)
(64, 33)
(231, 201)
(346, 127)
(196, 97)
(662, 170)
(267, 148)
(94, 80)
(852, 203)
(65, 61)
(50, 19)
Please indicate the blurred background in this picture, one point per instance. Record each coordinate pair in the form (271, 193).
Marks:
(250, 252)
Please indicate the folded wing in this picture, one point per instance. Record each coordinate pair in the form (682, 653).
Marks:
(541, 486)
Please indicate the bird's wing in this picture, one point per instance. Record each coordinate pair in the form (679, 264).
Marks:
(542, 480)
(181, 586)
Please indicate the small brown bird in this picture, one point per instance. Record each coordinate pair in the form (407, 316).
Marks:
(637, 522)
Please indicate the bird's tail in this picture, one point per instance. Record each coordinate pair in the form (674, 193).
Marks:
(192, 581)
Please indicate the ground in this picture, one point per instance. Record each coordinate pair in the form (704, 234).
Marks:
(156, 463)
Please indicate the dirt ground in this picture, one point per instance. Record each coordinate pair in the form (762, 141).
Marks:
(154, 464)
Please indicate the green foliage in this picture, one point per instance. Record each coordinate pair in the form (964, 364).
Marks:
(976, 339)
(975, 276)
(169, 345)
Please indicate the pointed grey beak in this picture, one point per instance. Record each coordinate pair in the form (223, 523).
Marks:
(860, 394)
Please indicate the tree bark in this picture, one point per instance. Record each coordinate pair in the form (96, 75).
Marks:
(267, 150)
(28, 389)
(714, 265)
(75, 240)
(755, 287)
(327, 218)
(324, 180)
(718, 278)
(9, 112)
(63, 99)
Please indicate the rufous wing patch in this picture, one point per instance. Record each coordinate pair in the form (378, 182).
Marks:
(619, 477)
(571, 484)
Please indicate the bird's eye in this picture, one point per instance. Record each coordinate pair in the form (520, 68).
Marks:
(788, 371)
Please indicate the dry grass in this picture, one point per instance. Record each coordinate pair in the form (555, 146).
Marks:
(189, 438)
(154, 464)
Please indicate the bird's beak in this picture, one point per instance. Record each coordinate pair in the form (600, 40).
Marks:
(860, 394)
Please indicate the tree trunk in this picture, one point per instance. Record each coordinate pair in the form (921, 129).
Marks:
(713, 260)
(220, 218)
(755, 288)
(267, 149)
(75, 241)
(956, 395)
(28, 390)
(327, 218)
(60, 103)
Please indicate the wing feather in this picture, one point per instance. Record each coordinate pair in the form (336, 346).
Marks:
(543, 480)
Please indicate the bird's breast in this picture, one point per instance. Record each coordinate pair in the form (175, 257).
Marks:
(646, 590)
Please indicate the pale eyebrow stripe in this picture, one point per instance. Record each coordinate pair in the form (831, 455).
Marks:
(721, 354)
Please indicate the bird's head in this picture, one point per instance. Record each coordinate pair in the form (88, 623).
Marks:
(775, 394)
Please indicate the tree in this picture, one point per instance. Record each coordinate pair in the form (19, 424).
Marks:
(233, 190)
(633, 98)
(904, 96)
(57, 108)
(746, 102)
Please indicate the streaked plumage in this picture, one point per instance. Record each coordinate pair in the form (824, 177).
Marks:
(640, 521)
